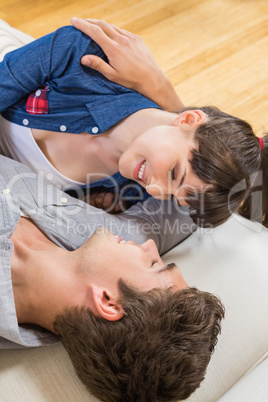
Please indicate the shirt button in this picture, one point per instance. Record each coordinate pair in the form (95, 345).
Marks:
(50, 176)
(63, 128)
(95, 130)
(63, 200)
(38, 92)
(25, 122)
(6, 191)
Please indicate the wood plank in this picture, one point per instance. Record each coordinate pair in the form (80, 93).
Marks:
(215, 51)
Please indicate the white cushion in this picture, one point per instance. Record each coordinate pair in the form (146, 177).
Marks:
(232, 262)
(40, 375)
(252, 387)
(11, 38)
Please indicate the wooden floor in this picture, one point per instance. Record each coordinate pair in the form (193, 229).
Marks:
(215, 51)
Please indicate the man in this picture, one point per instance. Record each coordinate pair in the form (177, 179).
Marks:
(132, 327)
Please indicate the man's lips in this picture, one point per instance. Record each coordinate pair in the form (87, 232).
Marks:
(118, 238)
(137, 169)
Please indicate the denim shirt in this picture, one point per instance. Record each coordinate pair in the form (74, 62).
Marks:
(79, 98)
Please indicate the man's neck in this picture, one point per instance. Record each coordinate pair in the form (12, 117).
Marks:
(40, 291)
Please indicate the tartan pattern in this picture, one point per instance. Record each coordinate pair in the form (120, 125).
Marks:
(37, 102)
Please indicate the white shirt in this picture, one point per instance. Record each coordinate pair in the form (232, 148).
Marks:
(17, 142)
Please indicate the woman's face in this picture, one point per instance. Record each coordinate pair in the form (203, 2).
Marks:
(159, 160)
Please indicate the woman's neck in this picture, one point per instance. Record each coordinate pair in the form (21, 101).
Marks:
(126, 131)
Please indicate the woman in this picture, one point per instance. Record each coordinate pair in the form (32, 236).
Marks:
(198, 155)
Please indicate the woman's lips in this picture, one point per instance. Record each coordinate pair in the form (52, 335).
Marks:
(137, 170)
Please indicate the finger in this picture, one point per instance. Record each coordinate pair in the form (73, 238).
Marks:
(124, 205)
(93, 31)
(123, 32)
(87, 199)
(109, 29)
(108, 201)
(99, 200)
(90, 199)
(96, 63)
(117, 208)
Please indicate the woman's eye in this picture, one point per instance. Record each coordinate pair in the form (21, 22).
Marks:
(172, 174)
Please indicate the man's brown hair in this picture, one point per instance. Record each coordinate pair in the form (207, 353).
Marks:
(158, 351)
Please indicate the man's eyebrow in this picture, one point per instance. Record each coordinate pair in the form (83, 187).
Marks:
(182, 179)
(167, 267)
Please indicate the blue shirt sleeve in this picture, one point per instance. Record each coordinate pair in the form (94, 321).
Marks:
(24, 70)
(30, 67)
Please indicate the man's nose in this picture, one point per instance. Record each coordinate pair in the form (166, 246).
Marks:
(150, 247)
(147, 244)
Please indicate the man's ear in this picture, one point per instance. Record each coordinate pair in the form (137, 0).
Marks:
(106, 304)
(190, 118)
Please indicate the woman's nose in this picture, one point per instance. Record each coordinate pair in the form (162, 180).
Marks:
(157, 188)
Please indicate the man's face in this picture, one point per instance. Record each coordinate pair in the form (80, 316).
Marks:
(139, 266)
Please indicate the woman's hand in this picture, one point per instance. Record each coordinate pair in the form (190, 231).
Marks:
(107, 202)
(130, 62)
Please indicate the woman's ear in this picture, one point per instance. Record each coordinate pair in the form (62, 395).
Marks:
(106, 305)
(190, 118)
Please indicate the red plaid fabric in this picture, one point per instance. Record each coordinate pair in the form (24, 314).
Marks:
(37, 102)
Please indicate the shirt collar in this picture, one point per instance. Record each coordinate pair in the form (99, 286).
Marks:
(117, 107)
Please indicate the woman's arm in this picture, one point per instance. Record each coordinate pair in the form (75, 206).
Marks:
(130, 62)
(28, 68)
(24, 70)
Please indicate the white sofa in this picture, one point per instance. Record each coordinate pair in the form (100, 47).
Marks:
(230, 261)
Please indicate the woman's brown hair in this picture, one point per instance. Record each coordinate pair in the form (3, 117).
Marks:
(256, 205)
(227, 158)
